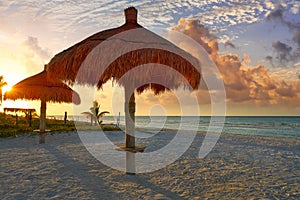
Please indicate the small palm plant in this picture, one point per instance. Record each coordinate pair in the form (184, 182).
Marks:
(2, 84)
(95, 113)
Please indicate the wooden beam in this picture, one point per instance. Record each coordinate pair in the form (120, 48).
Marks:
(42, 121)
(129, 118)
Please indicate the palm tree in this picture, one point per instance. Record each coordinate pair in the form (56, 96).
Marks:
(95, 113)
(2, 84)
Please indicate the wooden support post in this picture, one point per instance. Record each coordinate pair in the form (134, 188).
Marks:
(42, 122)
(65, 118)
(118, 120)
(30, 118)
(129, 129)
(17, 120)
(42, 137)
(129, 119)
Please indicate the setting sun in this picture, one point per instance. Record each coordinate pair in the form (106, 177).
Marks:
(6, 88)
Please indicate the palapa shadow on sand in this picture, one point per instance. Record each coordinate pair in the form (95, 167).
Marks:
(97, 185)
(74, 168)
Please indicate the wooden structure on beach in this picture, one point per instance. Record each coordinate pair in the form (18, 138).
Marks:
(91, 62)
(28, 112)
(41, 87)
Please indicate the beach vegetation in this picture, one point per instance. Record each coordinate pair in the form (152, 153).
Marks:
(95, 114)
(9, 127)
(2, 84)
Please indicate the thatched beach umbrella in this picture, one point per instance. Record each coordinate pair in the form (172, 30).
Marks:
(41, 87)
(113, 53)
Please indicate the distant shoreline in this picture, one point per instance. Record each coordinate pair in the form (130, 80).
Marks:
(275, 126)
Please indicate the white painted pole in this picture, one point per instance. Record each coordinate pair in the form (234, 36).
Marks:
(130, 163)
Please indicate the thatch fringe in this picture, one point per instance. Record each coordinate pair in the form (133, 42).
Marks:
(24, 110)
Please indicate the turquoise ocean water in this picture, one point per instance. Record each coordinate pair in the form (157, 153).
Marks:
(285, 127)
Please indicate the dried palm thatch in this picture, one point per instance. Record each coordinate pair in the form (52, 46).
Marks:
(136, 46)
(113, 53)
(24, 110)
(41, 87)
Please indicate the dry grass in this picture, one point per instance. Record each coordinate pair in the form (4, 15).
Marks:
(10, 127)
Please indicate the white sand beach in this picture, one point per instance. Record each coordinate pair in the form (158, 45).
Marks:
(239, 167)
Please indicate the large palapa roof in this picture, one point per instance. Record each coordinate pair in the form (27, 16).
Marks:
(112, 53)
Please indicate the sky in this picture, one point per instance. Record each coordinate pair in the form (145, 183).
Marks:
(255, 45)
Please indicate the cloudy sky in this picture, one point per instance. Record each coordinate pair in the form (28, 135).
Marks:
(255, 44)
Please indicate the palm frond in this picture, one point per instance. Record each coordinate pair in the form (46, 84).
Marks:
(2, 84)
(102, 114)
(89, 115)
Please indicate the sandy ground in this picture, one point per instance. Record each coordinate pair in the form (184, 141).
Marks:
(239, 167)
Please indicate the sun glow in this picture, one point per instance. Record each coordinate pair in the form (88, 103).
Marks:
(6, 88)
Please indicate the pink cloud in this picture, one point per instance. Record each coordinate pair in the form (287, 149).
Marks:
(242, 83)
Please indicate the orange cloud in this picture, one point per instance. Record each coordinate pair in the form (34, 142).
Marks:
(242, 83)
